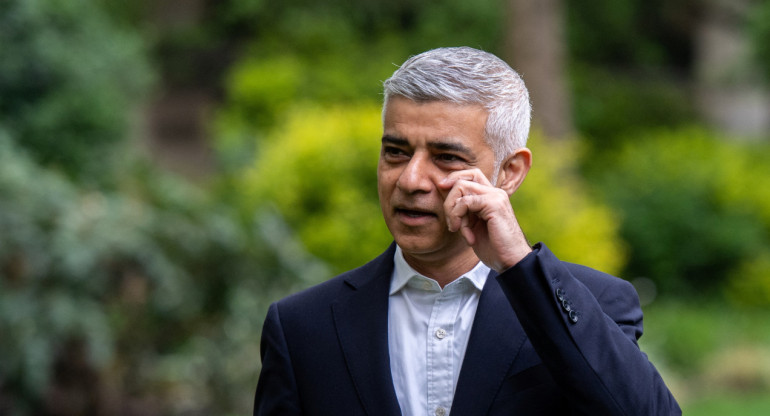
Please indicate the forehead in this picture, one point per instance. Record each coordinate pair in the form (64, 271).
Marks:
(433, 120)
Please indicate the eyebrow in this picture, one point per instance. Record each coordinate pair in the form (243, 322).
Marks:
(452, 147)
(438, 145)
(398, 141)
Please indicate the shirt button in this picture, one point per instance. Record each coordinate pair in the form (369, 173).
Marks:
(440, 334)
(440, 411)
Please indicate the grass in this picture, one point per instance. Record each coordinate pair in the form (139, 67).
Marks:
(714, 357)
(757, 404)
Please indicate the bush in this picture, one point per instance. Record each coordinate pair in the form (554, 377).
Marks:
(612, 105)
(749, 282)
(326, 65)
(556, 206)
(694, 208)
(686, 336)
(759, 31)
(69, 81)
(152, 291)
(319, 170)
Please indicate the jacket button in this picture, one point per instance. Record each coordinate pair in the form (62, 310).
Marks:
(573, 316)
(560, 294)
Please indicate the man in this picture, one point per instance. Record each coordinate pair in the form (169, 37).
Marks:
(460, 315)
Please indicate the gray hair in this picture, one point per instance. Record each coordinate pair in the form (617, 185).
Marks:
(469, 76)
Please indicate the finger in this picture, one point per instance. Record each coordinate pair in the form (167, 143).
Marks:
(461, 214)
(461, 189)
(480, 206)
(450, 200)
(471, 175)
(460, 219)
(464, 188)
(469, 228)
(468, 205)
(455, 212)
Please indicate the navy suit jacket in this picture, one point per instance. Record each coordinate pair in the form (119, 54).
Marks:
(549, 337)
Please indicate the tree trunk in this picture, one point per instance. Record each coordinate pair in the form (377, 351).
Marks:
(536, 48)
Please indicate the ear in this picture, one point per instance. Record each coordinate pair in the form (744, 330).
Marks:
(514, 169)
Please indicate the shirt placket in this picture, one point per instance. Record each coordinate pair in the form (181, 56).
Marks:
(439, 352)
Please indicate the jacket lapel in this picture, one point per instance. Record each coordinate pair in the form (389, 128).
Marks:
(495, 341)
(361, 320)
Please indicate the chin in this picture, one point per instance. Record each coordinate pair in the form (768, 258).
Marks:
(421, 245)
(426, 240)
(415, 243)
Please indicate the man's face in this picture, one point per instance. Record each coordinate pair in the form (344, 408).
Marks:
(422, 143)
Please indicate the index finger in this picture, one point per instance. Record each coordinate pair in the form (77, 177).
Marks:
(472, 175)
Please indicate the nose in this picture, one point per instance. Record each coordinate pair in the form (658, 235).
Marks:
(416, 176)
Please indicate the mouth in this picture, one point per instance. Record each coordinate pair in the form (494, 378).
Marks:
(414, 214)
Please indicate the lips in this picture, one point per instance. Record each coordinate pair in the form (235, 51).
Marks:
(414, 213)
(415, 217)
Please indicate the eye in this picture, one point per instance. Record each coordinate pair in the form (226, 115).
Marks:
(394, 153)
(449, 158)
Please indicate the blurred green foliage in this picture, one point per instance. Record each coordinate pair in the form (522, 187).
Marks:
(693, 337)
(695, 209)
(311, 27)
(632, 34)
(759, 31)
(263, 88)
(319, 170)
(68, 79)
(749, 283)
(160, 283)
(555, 205)
(723, 404)
(120, 286)
(613, 105)
(629, 66)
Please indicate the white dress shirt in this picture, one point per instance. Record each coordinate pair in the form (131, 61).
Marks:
(428, 330)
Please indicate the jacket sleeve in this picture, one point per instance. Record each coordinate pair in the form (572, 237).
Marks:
(277, 388)
(587, 337)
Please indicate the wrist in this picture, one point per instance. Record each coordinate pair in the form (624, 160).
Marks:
(513, 258)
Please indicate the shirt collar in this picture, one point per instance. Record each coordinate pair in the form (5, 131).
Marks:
(404, 274)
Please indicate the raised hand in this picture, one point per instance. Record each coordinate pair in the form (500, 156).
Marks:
(482, 213)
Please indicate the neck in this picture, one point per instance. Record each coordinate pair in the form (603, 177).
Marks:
(443, 269)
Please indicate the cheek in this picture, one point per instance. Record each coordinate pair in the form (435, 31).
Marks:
(386, 177)
(442, 194)
(384, 189)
